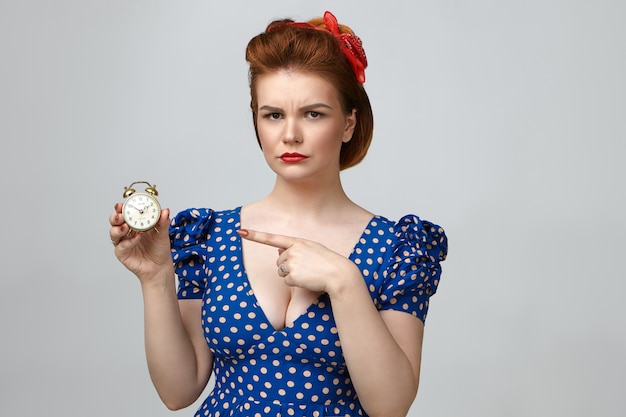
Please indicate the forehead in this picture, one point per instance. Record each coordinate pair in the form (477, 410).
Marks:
(295, 87)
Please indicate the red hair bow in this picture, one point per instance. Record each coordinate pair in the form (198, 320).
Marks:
(350, 44)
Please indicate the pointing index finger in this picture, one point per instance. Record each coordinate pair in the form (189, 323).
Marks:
(270, 239)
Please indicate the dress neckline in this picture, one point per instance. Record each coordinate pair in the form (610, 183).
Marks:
(317, 300)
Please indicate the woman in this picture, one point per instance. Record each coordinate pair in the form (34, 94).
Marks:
(302, 303)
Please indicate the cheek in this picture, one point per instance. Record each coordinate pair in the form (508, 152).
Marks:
(264, 140)
(331, 148)
(268, 146)
(261, 134)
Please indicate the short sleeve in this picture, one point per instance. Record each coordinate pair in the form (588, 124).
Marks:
(189, 232)
(413, 273)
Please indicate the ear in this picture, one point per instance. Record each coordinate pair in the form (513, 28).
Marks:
(350, 126)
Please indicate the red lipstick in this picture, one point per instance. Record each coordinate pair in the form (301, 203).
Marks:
(291, 157)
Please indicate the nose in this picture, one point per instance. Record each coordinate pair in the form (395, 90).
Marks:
(292, 133)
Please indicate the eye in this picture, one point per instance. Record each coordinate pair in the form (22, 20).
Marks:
(272, 116)
(314, 114)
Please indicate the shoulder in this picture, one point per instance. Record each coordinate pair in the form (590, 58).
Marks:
(427, 238)
(193, 225)
(411, 275)
(412, 227)
(411, 236)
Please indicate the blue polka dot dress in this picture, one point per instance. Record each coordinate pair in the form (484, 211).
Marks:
(299, 370)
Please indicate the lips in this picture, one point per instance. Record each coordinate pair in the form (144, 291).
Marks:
(292, 157)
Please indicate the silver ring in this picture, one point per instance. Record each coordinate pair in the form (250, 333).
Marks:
(282, 271)
(114, 242)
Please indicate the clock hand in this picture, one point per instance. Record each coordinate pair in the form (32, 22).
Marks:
(139, 210)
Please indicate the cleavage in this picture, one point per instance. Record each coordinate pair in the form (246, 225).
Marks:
(280, 303)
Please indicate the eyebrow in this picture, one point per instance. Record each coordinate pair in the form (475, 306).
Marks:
(303, 108)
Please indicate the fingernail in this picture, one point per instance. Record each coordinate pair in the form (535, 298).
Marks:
(242, 232)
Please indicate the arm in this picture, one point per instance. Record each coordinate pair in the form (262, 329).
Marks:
(179, 361)
(382, 349)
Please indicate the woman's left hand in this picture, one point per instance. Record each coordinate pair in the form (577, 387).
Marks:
(305, 263)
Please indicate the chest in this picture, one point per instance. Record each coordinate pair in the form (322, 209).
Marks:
(235, 326)
(245, 296)
(281, 304)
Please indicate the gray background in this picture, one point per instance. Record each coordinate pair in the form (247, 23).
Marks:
(503, 121)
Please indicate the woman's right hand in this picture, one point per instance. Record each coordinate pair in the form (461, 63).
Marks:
(143, 253)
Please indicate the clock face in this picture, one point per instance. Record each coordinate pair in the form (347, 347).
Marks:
(141, 211)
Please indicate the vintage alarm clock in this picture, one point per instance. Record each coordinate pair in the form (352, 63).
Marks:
(141, 210)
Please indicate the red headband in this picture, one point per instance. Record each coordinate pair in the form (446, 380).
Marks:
(350, 44)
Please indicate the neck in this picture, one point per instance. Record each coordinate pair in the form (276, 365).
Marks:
(308, 198)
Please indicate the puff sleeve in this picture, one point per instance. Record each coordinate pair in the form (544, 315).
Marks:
(189, 232)
(414, 269)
